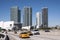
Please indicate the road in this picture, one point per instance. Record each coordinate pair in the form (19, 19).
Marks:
(53, 35)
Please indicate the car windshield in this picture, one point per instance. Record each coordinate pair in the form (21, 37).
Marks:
(35, 30)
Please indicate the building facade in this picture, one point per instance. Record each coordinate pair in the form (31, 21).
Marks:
(45, 17)
(15, 14)
(38, 19)
(7, 25)
(27, 16)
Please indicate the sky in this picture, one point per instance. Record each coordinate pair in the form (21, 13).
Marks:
(37, 5)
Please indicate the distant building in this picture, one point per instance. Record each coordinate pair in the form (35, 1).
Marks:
(45, 17)
(15, 14)
(7, 25)
(27, 16)
(38, 19)
(57, 27)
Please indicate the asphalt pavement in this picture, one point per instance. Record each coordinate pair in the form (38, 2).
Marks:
(52, 35)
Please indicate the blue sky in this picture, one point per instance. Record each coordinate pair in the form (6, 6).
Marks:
(37, 5)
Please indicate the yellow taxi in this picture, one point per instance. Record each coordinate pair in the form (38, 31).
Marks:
(24, 35)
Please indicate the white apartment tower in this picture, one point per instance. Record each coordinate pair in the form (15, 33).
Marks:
(38, 20)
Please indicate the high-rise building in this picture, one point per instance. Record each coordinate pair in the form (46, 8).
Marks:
(45, 17)
(15, 14)
(38, 19)
(27, 16)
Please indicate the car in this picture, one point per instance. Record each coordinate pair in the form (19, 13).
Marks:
(24, 35)
(37, 33)
(5, 32)
(47, 31)
(2, 31)
(15, 32)
(36, 30)
(7, 37)
(30, 33)
(9, 30)
(4, 37)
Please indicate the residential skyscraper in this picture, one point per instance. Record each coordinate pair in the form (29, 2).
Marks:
(45, 17)
(27, 16)
(15, 14)
(38, 19)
